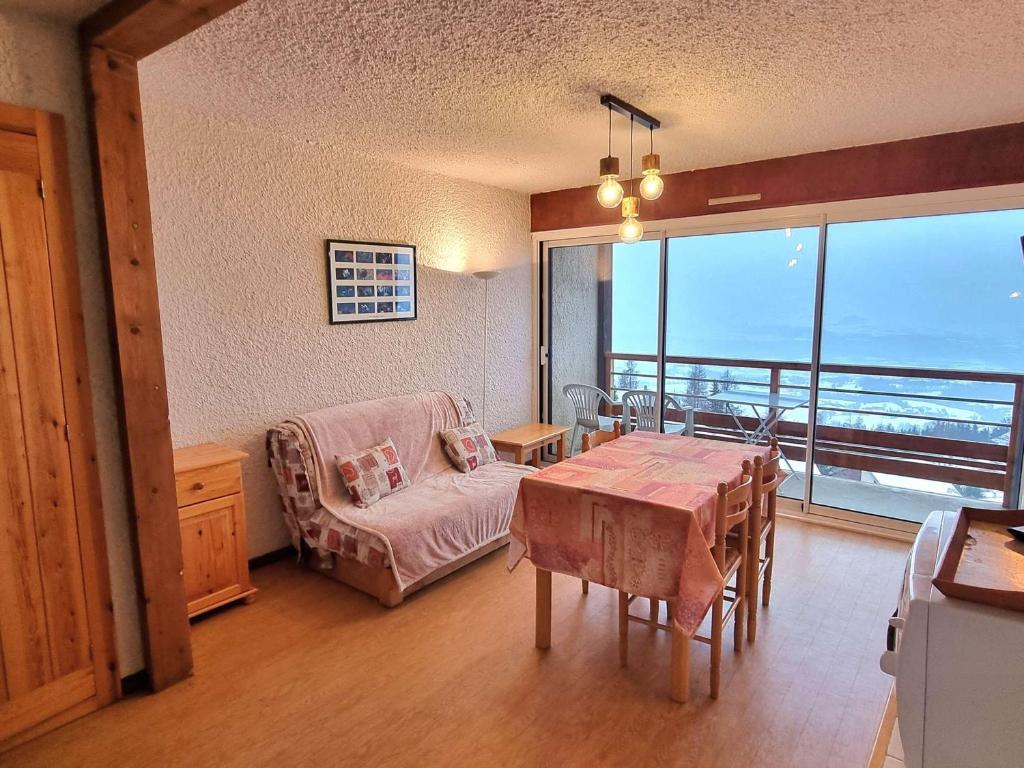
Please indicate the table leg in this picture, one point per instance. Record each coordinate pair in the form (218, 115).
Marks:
(520, 459)
(623, 628)
(560, 450)
(543, 608)
(680, 665)
(743, 430)
(536, 457)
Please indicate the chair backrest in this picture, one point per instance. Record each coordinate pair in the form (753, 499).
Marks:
(642, 405)
(772, 474)
(594, 439)
(768, 476)
(732, 509)
(586, 401)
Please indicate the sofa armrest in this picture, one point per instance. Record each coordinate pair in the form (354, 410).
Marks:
(292, 464)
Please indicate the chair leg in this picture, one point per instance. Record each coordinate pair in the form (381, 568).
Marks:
(740, 614)
(572, 444)
(586, 586)
(716, 643)
(623, 628)
(769, 549)
(655, 607)
(753, 573)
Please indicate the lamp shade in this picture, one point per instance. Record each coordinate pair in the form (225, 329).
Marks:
(486, 274)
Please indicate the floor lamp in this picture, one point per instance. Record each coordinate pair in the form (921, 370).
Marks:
(486, 275)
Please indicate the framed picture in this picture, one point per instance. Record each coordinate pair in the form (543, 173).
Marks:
(368, 282)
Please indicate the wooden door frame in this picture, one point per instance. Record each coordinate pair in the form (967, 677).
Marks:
(54, 174)
(113, 40)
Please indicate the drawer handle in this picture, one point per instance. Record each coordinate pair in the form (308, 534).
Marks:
(198, 486)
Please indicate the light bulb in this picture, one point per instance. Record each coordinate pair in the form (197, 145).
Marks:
(609, 194)
(652, 186)
(631, 230)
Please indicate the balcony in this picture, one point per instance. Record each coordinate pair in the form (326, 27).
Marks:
(892, 442)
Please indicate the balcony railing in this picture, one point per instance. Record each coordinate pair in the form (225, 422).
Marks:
(943, 439)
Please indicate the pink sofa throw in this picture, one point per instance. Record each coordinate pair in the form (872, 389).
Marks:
(444, 514)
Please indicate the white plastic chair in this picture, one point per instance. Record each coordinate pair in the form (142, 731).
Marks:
(586, 402)
(642, 405)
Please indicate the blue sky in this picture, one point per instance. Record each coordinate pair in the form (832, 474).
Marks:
(929, 292)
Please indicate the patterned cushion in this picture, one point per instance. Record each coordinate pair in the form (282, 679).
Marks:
(373, 474)
(468, 447)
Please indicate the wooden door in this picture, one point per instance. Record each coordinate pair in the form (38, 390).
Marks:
(47, 665)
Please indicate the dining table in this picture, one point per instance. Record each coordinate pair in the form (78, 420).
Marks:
(636, 514)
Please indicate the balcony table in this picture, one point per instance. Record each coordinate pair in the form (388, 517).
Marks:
(775, 403)
(636, 514)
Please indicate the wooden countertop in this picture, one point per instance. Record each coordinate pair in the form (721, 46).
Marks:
(205, 455)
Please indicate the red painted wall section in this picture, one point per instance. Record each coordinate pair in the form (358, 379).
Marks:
(977, 158)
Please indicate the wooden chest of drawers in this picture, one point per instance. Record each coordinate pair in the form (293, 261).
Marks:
(211, 513)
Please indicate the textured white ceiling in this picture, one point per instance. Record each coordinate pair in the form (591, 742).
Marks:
(506, 92)
(69, 10)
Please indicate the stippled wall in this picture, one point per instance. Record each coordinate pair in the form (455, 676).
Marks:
(39, 68)
(574, 323)
(240, 218)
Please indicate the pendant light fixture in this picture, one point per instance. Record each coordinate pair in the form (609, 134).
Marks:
(652, 185)
(610, 193)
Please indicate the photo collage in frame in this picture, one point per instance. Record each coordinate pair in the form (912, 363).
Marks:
(370, 281)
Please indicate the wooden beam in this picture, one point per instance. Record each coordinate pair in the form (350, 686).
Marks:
(138, 28)
(977, 158)
(121, 162)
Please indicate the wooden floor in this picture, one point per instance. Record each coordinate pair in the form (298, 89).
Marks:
(315, 674)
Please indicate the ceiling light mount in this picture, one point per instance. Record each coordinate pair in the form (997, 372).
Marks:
(626, 109)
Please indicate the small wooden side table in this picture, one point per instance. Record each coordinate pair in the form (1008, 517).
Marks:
(211, 514)
(531, 439)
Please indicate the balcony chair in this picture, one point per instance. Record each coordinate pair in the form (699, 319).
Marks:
(592, 440)
(732, 521)
(642, 405)
(768, 476)
(586, 402)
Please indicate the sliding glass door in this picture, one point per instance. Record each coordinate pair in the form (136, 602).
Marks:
(922, 349)
(886, 355)
(739, 323)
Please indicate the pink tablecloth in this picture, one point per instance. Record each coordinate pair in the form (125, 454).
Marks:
(636, 514)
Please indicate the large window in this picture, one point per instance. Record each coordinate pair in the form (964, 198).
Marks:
(921, 319)
(737, 350)
(914, 395)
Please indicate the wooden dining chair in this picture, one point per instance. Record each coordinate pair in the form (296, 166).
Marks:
(592, 440)
(730, 550)
(768, 476)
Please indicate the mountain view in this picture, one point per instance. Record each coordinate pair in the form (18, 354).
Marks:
(929, 294)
